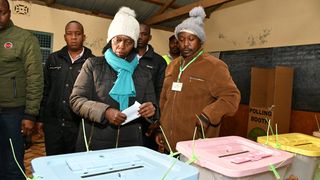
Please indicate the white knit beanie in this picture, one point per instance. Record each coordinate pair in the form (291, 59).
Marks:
(194, 24)
(124, 23)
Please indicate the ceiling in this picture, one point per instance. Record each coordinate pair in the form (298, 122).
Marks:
(160, 14)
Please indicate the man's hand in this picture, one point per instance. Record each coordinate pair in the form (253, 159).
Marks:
(39, 128)
(26, 127)
(202, 121)
(159, 140)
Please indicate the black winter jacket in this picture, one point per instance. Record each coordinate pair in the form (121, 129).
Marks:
(157, 66)
(59, 76)
(90, 98)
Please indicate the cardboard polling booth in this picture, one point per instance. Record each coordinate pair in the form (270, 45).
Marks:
(270, 99)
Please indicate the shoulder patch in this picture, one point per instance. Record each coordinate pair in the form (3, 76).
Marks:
(8, 45)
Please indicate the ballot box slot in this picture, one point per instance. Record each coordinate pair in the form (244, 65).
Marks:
(111, 171)
(233, 154)
(302, 144)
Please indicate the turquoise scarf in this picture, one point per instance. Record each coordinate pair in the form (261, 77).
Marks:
(124, 86)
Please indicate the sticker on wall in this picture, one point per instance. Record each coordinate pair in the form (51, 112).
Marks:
(21, 7)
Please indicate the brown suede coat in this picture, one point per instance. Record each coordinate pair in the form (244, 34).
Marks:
(207, 88)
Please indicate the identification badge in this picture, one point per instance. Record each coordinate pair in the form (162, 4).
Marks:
(176, 86)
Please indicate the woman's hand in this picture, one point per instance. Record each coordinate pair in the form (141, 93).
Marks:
(147, 110)
(115, 117)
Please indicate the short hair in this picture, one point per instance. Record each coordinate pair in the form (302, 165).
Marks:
(147, 26)
(6, 2)
(172, 37)
(74, 21)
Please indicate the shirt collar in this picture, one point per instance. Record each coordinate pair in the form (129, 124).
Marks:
(77, 57)
(147, 48)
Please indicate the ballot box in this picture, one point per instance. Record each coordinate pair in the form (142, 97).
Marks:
(306, 149)
(234, 157)
(129, 163)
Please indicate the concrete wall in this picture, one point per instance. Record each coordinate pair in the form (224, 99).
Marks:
(240, 24)
(247, 24)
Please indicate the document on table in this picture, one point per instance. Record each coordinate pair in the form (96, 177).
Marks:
(131, 112)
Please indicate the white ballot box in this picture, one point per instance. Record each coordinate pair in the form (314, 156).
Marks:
(129, 163)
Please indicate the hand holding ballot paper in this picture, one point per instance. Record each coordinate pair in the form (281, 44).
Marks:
(145, 110)
(133, 112)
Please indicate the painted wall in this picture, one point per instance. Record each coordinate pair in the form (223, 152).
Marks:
(42, 18)
(240, 24)
(247, 24)
(250, 24)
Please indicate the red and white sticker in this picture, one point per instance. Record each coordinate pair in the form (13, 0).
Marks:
(8, 45)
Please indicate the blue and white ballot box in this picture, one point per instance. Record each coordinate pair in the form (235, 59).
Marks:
(128, 163)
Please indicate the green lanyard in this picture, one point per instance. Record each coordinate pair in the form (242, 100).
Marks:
(181, 69)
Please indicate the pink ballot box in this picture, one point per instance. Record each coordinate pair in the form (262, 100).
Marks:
(235, 157)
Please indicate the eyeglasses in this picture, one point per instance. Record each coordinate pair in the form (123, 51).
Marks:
(118, 40)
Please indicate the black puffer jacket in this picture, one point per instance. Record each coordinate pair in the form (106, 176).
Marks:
(60, 74)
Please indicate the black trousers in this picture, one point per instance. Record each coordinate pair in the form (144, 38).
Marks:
(60, 139)
(10, 127)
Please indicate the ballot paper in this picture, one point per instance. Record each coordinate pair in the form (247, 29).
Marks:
(131, 112)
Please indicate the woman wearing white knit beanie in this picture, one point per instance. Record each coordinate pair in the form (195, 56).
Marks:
(109, 84)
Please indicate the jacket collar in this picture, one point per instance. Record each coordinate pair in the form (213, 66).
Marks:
(10, 25)
(187, 59)
(149, 54)
(63, 53)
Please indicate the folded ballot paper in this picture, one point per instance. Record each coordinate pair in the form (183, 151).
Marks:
(131, 112)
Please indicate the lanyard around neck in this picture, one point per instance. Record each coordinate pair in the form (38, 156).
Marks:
(181, 69)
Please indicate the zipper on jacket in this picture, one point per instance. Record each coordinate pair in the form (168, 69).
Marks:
(14, 85)
(195, 78)
(150, 67)
(171, 119)
(91, 134)
(118, 134)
